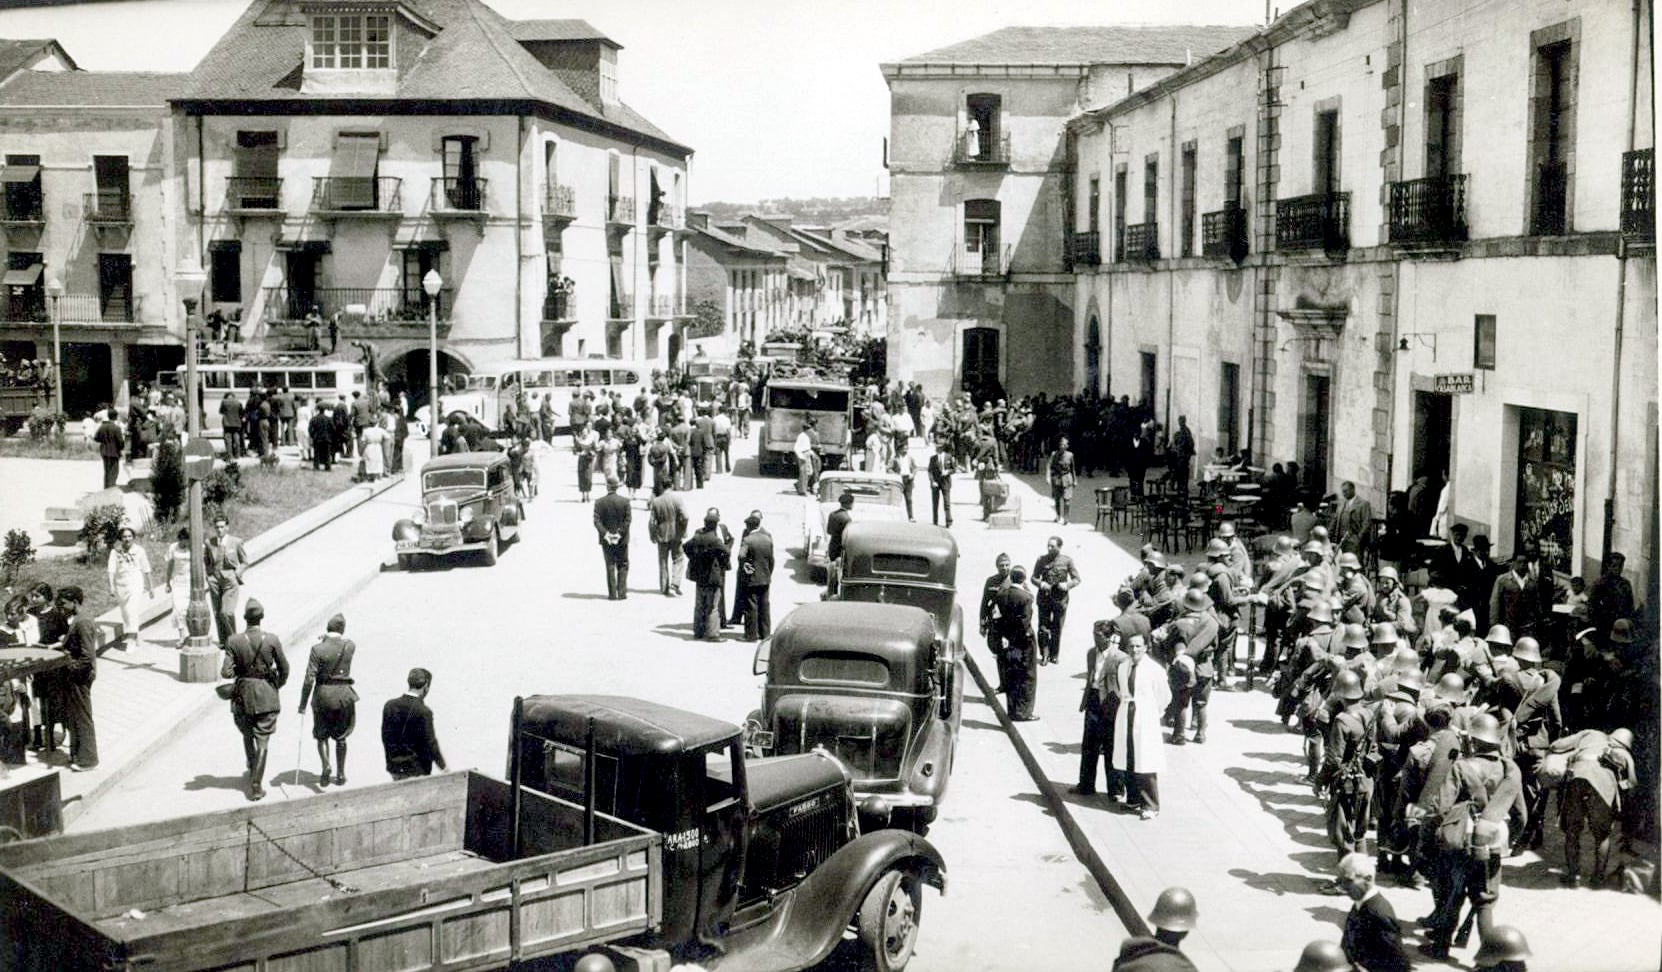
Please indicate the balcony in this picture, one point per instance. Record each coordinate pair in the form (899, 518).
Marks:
(1224, 233)
(560, 204)
(665, 307)
(982, 153)
(364, 311)
(559, 308)
(107, 208)
(620, 212)
(464, 198)
(1085, 249)
(666, 219)
(1428, 211)
(1551, 196)
(31, 305)
(1639, 196)
(987, 263)
(358, 197)
(1315, 222)
(1140, 244)
(621, 309)
(22, 210)
(250, 194)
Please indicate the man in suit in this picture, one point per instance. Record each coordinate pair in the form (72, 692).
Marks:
(995, 640)
(709, 557)
(254, 658)
(1513, 600)
(110, 443)
(703, 444)
(1611, 597)
(611, 525)
(321, 430)
(667, 525)
(1373, 937)
(681, 436)
(72, 689)
(1352, 521)
(226, 562)
(230, 420)
(1013, 617)
(335, 706)
(1452, 565)
(941, 468)
(755, 576)
(407, 733)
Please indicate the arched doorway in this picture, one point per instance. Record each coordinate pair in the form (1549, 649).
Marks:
(407, 373)
(674, 356)
(1093, 357)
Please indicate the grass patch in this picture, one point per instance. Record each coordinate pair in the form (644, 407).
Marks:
(270, 496)
(23, 447)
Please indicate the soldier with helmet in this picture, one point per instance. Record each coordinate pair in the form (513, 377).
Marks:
(1504, 949)
(1355, 593)
(1601, 771)
(1283, 566)
(1228, 596)
(1306, 698)
(1174, 915)
(1398, 727)
(1392, 603)
(1323, 956)
(1239, 559)
(1530, 693)
(1347, 770)
(1192, 644)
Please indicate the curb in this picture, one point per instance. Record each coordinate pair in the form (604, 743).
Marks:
(1124, 909)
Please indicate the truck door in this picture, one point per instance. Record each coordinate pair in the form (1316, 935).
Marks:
(722, 839)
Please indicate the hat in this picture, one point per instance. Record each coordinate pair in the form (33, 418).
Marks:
(1500, 634)
(1313, 546)
(1199, 580)
(611, 484)
(1350, 561)
(1323, 957)
(1356, 636)
(1481, 541)
(1215, 547)
(1451, 687)
(1389, 571)
(1527, 649)
(754, 519)
(1348, 686)
(712, 516)
(1195, 601)
(253, 609)
(1226, 529)
(1485, 729)
(1319, 610)
(1503, 944)
(1156, 559)
(1405, 658)
(1384, 633)
(1622, 632)
(1409, 685)
(1283, 544)
(1622, 738)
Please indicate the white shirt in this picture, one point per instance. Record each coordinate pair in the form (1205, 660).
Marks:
(804, 447)
(723, 424)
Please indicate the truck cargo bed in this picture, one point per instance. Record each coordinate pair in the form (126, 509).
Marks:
(412, 875)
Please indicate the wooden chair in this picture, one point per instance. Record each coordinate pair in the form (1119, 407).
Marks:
(1104, 505)
(1121, 509)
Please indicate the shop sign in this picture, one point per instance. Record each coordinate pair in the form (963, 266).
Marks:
(1456, 384)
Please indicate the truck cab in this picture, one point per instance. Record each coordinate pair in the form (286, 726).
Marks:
(742, 838)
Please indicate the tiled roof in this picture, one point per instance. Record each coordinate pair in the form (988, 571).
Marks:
(106, 89)
(475, 56)
(1088, 45)
(854, 248)
(556, 30)
(15, 55)
(728, 239)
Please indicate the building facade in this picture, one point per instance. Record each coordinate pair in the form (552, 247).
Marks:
(1312, 248)
(980, 189)
(748, 281)
(325, 158)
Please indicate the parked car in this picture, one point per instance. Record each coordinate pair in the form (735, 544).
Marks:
(887, 562)
(467, 504)
(877, 496)
(873, 685)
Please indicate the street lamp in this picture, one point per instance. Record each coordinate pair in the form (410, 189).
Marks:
(54, 290)
(432, 283)
(197, 662)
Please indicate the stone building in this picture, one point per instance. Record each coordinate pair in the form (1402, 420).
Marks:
(1311, 246)
(748, 279)
(980, 183)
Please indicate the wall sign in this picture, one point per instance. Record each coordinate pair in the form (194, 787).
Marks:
(1457, 384)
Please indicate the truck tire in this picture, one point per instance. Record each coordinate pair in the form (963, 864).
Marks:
(407, 563)
(493, 546)
(888, 921)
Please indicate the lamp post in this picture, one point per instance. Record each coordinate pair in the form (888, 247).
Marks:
(198, 661)
(432, 283)
(54, 290)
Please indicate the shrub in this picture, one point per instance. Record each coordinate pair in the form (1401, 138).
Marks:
(102, 529)
(19, 553)
(167, 479)
(222, 486)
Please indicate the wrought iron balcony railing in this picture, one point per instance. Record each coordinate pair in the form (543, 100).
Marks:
(1141, 243)
(1316, 222)
(253, 193)
(1551, 198)
(1224, 233)
(1085, 249)
(560, 203)
(366, 195)
(456, 195)
(665, 306)
(985, 150)
(398, 306)
(668, 217)
(621, 309)
(1639, 196)
(989, 261)
(620, 210)
(559, 307)
(22, 207)
(107, 207)
(1429, 210)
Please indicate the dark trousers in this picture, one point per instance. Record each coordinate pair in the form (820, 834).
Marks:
(906, 490)
(1022, 680)
(701, 468)
(1141, 789)
(233, 443)
(224, 595)
(724, 454)
(940, 498)
(758, 613)
(1052, 612)
(740, 603)
(617, 569)
(112, 469)
(995, 644)
(707, 611)
(1198, 699)
(256, 742)
(76, 706)
(1096, 745)
(323, 454)
(1348, 805)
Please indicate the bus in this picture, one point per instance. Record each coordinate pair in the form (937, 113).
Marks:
(495, 385)
(305, 376)
(788, 402)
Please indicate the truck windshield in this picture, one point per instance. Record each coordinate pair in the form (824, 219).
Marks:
(809, 399)
(479, 383)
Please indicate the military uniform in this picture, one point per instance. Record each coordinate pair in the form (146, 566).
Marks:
(1347, 775)
(995, 636)
(1055, 575)
(334, 701)
(1480, 791)
(255, 659)
(1194, 636)
(1013, 616)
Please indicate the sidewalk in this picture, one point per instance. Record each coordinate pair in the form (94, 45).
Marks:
(303, 569)
(1236, 826)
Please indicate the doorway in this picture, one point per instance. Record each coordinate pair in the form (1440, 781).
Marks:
(87, 381)
(1093, 358)
(1314, 433)
(300, 271)
(1433, 434)
(1149, 362)
(1546, 485)
(979, 376)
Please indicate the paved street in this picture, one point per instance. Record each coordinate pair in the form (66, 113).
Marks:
(540, 622)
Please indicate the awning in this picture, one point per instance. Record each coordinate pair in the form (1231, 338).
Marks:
(27, 277)
(305, 246)
(20, 173)
(352, 172)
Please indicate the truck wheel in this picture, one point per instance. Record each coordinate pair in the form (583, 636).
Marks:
(888, 921)
(407, 563)
(493, 546)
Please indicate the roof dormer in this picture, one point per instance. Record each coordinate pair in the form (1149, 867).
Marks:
(356, 47)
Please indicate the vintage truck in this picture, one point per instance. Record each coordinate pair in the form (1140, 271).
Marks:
(17, 403)
(675, 848)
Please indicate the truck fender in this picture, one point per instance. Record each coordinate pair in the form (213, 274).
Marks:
(807, 928)
(405, 530)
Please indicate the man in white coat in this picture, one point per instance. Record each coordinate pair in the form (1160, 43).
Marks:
(1144, 694)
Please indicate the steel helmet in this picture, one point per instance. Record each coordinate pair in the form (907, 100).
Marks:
(1319, 532)
(1500, 634)
(1322, 957)
(1409, 685)
(1356, 636)
(1384, 633)
(1315, 547)
(1155, 559)
(1503, 944)
(1196, 600)
(1174, 910)
(1348, 686)
(1388, 571)
(1199, 580)
(1319, 610)
(1216, 548)
(1623, 738)
(1452, 687)
(1350, 560)
(594, 962)
(1527, 649)
(1405, 658)
(1226, 529)
(1283, 544)
(1485, 729)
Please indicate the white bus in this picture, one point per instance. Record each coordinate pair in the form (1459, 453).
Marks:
(493, 386)
(304, 377)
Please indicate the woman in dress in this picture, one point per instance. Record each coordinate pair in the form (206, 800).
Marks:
(584, 441)
(634, 450)
(178, 583)
(610, 447)
(129, 576)
(372, 448)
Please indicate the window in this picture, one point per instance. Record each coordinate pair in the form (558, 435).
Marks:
(352, 183)
(461, 172)
(1442, 151)
(417, 262)
(1546, 484)
(1552, 131)
(255, 184)
(1149, 361)
(225, 271)
(981, 135)
(1229, 407)
(352, 41)
(1151, 189)
(981, 250)
(1483, 342)
(25, 286)
(1186, 225)
(1119, 212)
(1327, 153)
(21, 176)
(110, 174)
(1095, 217)
(1234, 171)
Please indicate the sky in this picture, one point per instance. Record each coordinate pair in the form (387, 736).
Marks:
(776, 97)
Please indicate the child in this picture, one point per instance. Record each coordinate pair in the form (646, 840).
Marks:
(1577, 598)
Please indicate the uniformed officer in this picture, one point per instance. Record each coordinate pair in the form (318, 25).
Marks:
(1013, 616)
(1192, 643)
(335, 704)
(1392, 604)
(995, 639)
(1347, 769)
(1313, 668)
(254, 657)
(1055, 575)
(1356, 595)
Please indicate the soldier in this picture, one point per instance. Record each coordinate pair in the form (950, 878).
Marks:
(1530, 694)
(255, 659)
(1355, 593)
(1228, 597)
(1391, 603)
(1239, 559)
(1305, 698)
(335, 706)
(1172, 919)
(1504, 949)
(1347, 769)
(1013, 617)
(1055, 575)
(988, 615)
(1600, 770)
(1398, 727)
(1192, 643)
(1279, 571)
(1322, 956)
